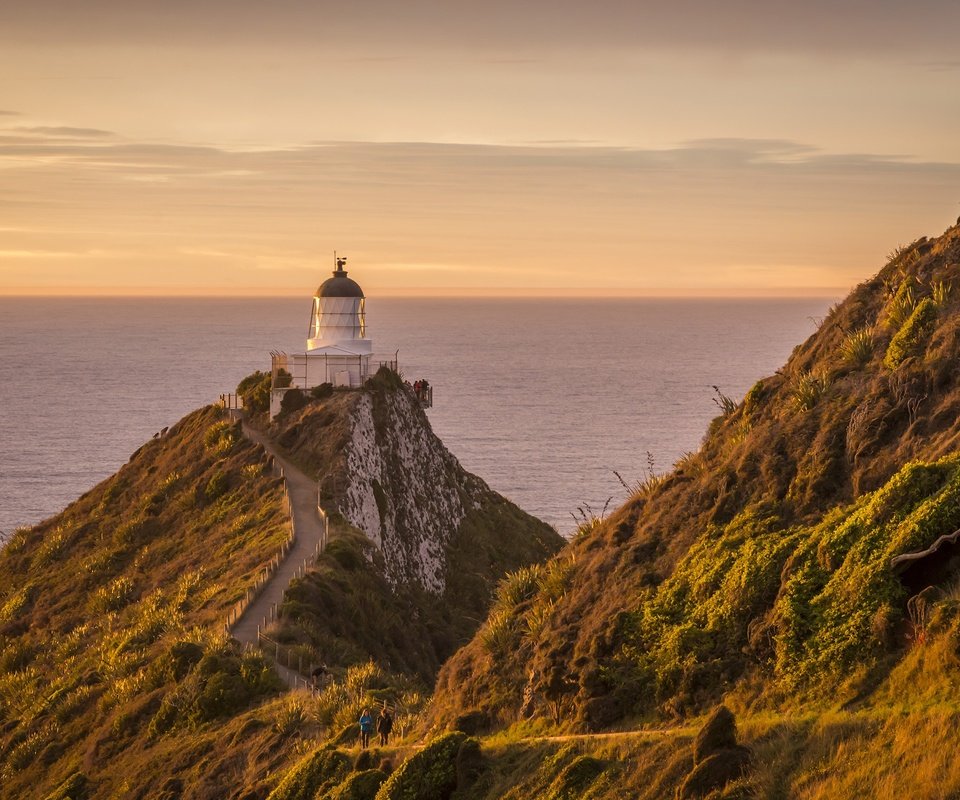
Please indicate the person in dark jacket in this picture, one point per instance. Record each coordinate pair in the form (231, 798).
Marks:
(384, 725)
(320, 676)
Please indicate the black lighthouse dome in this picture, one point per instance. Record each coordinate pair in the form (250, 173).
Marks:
(340, 285)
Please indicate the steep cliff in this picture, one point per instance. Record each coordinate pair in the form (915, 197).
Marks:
(415, 535)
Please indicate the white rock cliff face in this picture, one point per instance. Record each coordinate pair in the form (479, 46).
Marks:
(406, 491)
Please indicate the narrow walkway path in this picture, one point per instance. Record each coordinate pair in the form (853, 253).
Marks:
(302, 491)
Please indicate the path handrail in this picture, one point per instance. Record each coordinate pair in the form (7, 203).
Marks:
(263, 576)
(266, 573)
(281, 654)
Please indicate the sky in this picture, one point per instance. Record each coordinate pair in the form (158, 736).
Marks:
(230, 146)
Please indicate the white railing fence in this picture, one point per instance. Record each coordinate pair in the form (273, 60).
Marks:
(266, 573)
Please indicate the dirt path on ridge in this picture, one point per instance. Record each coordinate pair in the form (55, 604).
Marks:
(302, 490)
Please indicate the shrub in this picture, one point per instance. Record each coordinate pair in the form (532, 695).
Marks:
(179, 660)
(913, 334)
(472, 722)
(362, 785)
(26, 751)
(51, 547)
(857, 347)
(216, 487)
(573, 782)
(293, 400)
(322, 392)
(219, 437)
(554, 578)
(76, 787)
(124, 535)
(727, 405)
(16, 542)
(16, 654)
(361, 679)
(469, 762)
(312, 776)
(719, 732)
(498, 635)
(255, 391)
(221, 684)
(385, 378)
(14, 604)
(430, 774)
(714, 772)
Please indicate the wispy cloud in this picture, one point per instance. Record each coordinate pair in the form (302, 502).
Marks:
(64, 131)
(704, 213)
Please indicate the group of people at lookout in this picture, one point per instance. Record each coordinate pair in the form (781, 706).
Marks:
(421, 388)
(384, 724)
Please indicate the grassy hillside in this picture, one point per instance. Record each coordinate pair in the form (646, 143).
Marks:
(759, 572)
(111, 642)
(117, 678)
(759, 568)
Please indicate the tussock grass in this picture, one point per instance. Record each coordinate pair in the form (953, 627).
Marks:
(940, 293)
(857, 348)
(901, 306)
(808, 387)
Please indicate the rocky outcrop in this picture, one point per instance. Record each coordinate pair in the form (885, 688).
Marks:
(417, 543)
(390, 477)
(405, 490)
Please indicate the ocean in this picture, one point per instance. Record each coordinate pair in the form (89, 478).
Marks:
(543, 398)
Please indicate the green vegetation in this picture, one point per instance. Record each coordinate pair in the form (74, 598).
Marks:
(111, 612)
(312, 777)
(857, 348)
(293, 400)
(759, 574)
(940, 293)
(322, 392)
(759, 569)
(901, 306)
(430, 774)
(385, 379)
(912, 335)
(808, 387)
(255, 391)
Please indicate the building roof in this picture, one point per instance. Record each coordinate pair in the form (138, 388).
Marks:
(339, 285)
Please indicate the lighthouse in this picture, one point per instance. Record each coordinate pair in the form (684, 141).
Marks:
(338, 320)
(338, 350)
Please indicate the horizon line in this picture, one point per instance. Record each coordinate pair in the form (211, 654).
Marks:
(438, 292)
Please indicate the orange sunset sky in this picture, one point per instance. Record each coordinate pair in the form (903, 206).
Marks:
(689, 147)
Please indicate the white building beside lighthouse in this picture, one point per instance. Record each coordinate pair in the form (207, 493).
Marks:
(338, 350)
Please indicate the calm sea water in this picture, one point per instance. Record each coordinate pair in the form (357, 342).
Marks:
(543, 398)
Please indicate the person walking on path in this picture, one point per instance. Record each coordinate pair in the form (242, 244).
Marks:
(384, 725)
(320, 677)
(366, 728)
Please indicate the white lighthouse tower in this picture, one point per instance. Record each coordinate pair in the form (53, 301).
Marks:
(338, 350)
(338, 324)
